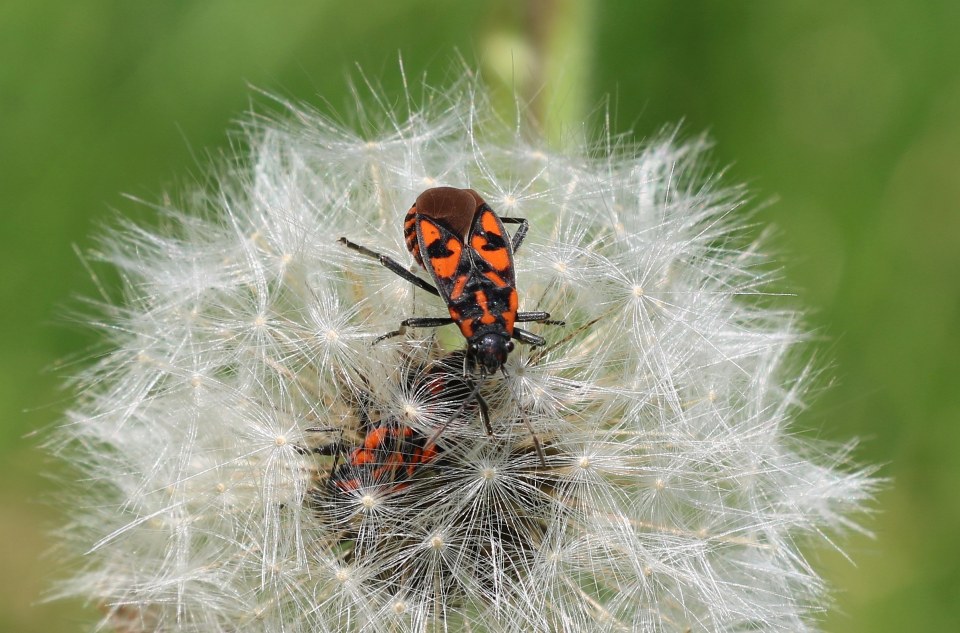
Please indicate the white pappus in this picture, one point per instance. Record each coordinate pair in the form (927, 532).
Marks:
(239, 372)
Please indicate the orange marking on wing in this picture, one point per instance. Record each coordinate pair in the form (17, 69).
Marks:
(466, 327)
(446, 267)
(495, 278)
(410, 233)
(499, 258)
(390, 465)
(510, 316)
(487, 318)
(489, 223)
(361, 456)
(349, 484)
(430, 232)
(458, 288)
(410, 230)
(429, 453)
(477, 242)
(375, 438)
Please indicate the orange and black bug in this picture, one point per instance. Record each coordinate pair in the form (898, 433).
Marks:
(389, 456)
(391, 451)
(462, 243)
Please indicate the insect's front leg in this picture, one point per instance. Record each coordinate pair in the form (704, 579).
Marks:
(532, 317)
(415, 322)
(391, 264)
(528, 337)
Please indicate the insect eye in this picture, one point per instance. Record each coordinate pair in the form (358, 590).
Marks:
(509, 346)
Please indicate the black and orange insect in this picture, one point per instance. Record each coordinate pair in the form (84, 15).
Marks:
(391, 451)
(388, 458)
(456, 236)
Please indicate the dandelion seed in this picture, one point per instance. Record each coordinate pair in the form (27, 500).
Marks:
(250, 461)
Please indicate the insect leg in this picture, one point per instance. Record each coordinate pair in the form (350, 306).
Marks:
(474, 395)
(391, 264)
(415, 322)
(426, 321)
(527, 317)
(484, 414)
(528, 337)
(521, 232)
(539, 317)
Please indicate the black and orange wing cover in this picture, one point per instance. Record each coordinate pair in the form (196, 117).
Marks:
(491, 245)
(443, 254)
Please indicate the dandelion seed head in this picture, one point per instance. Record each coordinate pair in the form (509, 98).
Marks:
(251, 460)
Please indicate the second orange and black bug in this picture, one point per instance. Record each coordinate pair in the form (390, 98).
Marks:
(389, 456)
(392, 451)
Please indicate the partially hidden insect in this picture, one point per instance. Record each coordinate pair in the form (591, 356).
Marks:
(388, 458)
(392, 451)
(456, 237)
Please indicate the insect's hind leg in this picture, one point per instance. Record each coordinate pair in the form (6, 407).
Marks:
(392, 265)
(521, 233)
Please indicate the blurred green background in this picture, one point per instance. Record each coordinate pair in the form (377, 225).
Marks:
(848, 114)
